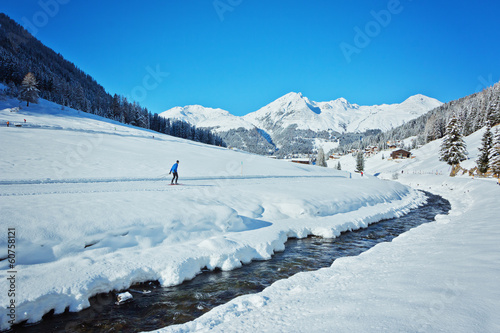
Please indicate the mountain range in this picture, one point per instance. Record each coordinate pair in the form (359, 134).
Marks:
(295, 124)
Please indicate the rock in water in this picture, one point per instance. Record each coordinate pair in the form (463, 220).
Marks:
(123, 297)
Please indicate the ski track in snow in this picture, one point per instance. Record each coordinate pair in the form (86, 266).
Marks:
(80, 186)
(117, 180)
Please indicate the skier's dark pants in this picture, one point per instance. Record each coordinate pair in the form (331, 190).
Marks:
(176, 176)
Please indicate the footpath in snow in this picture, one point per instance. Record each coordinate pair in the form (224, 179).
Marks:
(92, 209)
(439, 277)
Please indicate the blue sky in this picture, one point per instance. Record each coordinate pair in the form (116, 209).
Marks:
(240, 55)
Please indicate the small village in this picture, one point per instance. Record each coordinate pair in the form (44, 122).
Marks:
(395, 150)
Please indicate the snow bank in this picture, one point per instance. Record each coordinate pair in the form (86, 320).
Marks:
(77, 240)
(441, 276)
(93, 210)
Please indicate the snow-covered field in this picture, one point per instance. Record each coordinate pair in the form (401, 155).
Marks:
(439, 277)
(92, 209)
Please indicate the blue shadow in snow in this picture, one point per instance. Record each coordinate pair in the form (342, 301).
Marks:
(254, 224)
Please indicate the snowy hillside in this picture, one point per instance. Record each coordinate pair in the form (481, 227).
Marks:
(425, 159)
(438, 277)
(93, 210)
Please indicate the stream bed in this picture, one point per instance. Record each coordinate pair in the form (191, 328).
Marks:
(154, 307)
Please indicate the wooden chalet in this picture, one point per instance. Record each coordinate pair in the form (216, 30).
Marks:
(302, 160)
(400, 153)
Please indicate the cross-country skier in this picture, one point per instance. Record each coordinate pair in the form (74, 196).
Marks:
(174, 171)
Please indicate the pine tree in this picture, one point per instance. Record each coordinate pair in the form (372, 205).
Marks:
(495, 154)
(320, 159)
(494, 111)
(453, 149)
(429, 131)
(439, 128)
(470, 120)
(29, 91)
(116, 108)
(487, 143)
(360, 162)
(12, 90)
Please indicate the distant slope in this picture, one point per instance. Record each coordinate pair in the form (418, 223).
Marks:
(217, 119)
(234, 131)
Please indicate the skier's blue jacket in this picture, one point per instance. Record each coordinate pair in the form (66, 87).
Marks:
(174, 167)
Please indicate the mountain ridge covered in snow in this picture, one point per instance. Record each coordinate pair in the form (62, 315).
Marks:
(296, 115)
(293, 109)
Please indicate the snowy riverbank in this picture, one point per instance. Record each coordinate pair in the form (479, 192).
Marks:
(441, 276)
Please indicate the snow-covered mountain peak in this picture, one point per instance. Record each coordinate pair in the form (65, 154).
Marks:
(292, 96)
(290, 99)
(339, 103)
(293, 100)
(417, 97)
(218, 119)
(292, 108)
(420, 99)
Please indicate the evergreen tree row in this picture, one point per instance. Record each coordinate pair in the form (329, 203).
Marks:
(23, 57)
(182, 129)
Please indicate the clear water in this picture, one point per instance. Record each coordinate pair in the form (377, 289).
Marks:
(154, 307)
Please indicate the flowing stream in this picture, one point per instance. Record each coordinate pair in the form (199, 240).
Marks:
(154, 307)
